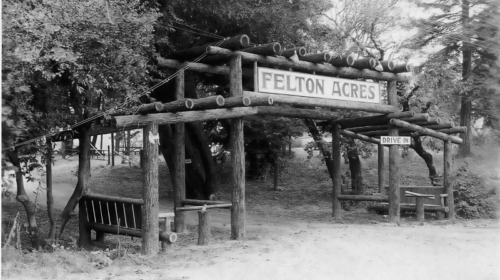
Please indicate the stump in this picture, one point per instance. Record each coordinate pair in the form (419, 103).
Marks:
(203, 227)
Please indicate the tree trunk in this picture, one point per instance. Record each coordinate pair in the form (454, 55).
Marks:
(357, 184)
(50, 198)
(313, 129)
(83, 175)
(466, 103)
(427, 157)
(37, 240)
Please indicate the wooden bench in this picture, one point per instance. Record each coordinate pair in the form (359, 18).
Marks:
(118, 215)
(202, 206)
(412, 198)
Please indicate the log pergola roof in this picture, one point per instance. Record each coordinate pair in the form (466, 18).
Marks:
(254, 103)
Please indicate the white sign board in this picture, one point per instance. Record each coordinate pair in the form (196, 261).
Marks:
(300, 84)
(395, 140)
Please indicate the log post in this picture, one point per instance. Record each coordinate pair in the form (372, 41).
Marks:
(109, 155)
(237, 155)
(276, 174)
(448, 187)
(336, 157)
(381, 166)
(128, 148)
(420, 208)
(394, 192)
(179, 161)
(112, 149)
(150, 209)
(203, 227)
(85, 234)
(50, 197)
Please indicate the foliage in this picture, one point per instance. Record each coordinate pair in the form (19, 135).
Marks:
(62, 54)
(470, 197)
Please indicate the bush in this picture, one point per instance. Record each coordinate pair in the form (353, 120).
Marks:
(471, 197)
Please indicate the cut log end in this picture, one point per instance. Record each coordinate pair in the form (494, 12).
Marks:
(247, 101)
(189, 104)
(244, 41)
(350, 60)
(220, 100)
(277, 48)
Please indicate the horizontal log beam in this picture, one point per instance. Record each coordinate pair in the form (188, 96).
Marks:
(364, 63)
(342, 61)
(401, 68)
(388, 65)
(202, 202)
(113, 198)
(316, 57)
(210, 102)
(137, 121)
(199, 67)
(288, 112)
(325, 103)
(409, 207)
(371, 120)
(198, 208)
(426, 131)
(359, 136)
(309, 67)
(236, 42)
(358, 197)
(300, 51)
(116, 230)
(265, 49)
(384, 131)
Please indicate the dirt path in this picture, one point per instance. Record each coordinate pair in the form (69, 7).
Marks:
(288, 249)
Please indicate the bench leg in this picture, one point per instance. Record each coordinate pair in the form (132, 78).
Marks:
(203, 227)
(84, 231)
(420, 209)
(99, 236)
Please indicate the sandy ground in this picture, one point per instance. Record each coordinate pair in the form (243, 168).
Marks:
(280, 246)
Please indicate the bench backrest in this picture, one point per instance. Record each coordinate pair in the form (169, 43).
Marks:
(113, 211)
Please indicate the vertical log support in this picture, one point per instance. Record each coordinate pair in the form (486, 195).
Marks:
(109, 156)
(237, 155)
(394, 155)
(381, 166)
(203, 227)
(129, 156)
(448, 187)
(420, 208)
(336, 157)
(179, 161)
(112, 149)
(150, 228)
(50, 197)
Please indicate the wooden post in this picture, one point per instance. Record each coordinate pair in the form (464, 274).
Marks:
(394, 195)
(109, 156)
(50, 197)
(381, 166)
(150, 209)
(102, 136)
(128, 148)
(420, 208)
(203, 227)
(85, 234)
(112, 149)
(336, 154)
(179, 161)
(448, 187)
(276, 174)
(237, 155)
(394, 191)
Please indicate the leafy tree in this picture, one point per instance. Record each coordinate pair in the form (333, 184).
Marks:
(468, 32)
(61, 56)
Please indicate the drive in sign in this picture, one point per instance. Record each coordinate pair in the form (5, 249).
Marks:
(300, 84)
(395, 140)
